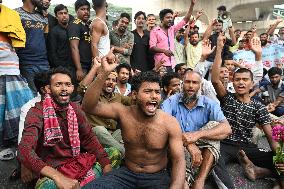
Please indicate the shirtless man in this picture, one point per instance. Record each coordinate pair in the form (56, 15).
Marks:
(148, 134)
(99, 30)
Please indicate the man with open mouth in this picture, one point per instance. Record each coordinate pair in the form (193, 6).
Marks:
(148, 134)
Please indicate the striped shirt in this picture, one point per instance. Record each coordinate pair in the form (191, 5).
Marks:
(9, 61)
(243, 117)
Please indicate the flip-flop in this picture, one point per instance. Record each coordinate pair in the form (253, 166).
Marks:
(7, 154)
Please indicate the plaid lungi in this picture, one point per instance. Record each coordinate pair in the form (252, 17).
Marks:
(14, 93)
(212, 145)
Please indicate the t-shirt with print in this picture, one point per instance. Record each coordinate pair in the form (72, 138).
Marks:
(34, 53)
(78, 30)
(243, 117)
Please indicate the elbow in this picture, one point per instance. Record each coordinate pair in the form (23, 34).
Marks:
(228, 130)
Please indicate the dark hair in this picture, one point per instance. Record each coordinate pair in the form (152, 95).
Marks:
(123, 65)
(58, 8)
(98, 3)
(263, 34)
(193, 33)
(80, 3)
(41, 80)
(237, 30)
(178, 66)
(149, 76)
(264, 72)
(244, 70)
(274, 71)
(249, 31)
(150, 15)
(61, 70)
(166, 79)
(126, 15)
(114, 23)
(228, 55)
(139, 13)
(220, 21)
(222, 8)
(163, 13)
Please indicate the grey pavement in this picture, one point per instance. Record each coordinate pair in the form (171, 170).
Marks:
(235, 170)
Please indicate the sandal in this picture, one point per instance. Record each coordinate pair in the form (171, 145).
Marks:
(7, 154)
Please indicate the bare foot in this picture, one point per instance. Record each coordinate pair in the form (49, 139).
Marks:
(247, 165)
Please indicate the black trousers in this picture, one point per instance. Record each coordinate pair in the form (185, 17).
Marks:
(229, 153)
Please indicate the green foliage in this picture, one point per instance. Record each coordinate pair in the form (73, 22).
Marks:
(113, 12)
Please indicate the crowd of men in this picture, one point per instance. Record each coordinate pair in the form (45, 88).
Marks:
(89, 106)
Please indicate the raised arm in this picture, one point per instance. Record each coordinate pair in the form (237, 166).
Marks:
(209, 30)
(189, 12)
(232, 35)
(177, 154)
(90, 102)
(215, 78)
(274, 26)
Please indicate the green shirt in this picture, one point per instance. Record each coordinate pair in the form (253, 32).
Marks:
(120, 41)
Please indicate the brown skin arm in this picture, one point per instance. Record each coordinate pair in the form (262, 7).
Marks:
(232, 35)
(91, 103)
(256, 91)
(177, 154)
(220, 132)
(209, 30)
(274, 26)
(190, 10)
(186, 33)
(74, 45)
(215, 78)
(278, 101)
(97, 31)
(268, 133)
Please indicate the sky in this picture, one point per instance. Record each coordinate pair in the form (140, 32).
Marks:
(18, 3)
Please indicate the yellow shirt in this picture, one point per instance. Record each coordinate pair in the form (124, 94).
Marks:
(193, 54)
(10, 23)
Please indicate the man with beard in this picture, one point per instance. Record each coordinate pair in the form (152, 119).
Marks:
(193, 48)
(243, 113)
(99, 30)
(123, 87)
(146, 132)
(264, 40)
(58, 143)
(59, 48)
(194, 111)
(179, 52)
(80, 40)
(275, 90)
(141, 57)
(162, 37)
(33, 57)
(122, 40)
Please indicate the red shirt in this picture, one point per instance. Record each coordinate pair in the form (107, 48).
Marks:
(35, 156)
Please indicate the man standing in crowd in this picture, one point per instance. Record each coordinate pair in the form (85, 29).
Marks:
(162, 37)
(33, 57)
(151, 22)
(123, 87)
(194, 111)
(277, 38)
(275, 91)
(217, 27)
(179, 52)
(122, 40)
(146, 132)
(193, 48)
(99, 30)
(55, 132)
(243, 113)
(80, 40)
(141, 59)
(59, 47)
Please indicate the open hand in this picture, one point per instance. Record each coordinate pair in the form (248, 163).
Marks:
(63, 182)
(206, 48)
(255, 45)
(196, 156)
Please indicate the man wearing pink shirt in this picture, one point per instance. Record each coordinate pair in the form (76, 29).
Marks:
(162, 37)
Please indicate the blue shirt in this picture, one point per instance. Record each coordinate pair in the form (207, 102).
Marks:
(193, 119)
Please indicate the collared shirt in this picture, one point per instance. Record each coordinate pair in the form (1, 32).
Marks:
(193, 54)
(119, 41)
(59, 47)
(179, 52)
(142, 58)
(277, 40)
(243, 117)
(193, 119)
(78, 30)
(110, 124)
(35, 156)
(162, 40)
(274, 93)
(127, 91)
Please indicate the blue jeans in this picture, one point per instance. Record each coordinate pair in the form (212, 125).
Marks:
(29, 72)
(123, 178)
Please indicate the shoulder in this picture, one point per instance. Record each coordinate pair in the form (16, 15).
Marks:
(35, 114)
(174, 99)
(97, 24)
(77, 21)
